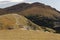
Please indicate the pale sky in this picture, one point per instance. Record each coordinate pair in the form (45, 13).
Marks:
(53, 3)
(13, 0)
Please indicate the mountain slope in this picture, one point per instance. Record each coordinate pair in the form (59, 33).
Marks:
(40, 14)
(24, 6)
(17, 8)
(45, 12)
(15, 21)
(2, 11)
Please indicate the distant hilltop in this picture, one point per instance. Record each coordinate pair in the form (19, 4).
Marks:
(38, 13)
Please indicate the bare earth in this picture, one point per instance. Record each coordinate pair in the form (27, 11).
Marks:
(27, 35)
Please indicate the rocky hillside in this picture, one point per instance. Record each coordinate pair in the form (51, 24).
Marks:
(23, 6)
(15, 21)
(38, 13)
(26, 21)
(42, 15)
(17, 8)
(11, 21)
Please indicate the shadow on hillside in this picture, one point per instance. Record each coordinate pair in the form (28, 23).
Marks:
(43, 21)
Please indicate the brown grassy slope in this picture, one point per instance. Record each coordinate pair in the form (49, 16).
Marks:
(37, 9)
(43, 16)
(40, 11)
(27, 35)
(34, 8)
(15, 21)
(11, 20)
(23, 6)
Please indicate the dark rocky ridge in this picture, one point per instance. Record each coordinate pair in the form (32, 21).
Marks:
(23, 6)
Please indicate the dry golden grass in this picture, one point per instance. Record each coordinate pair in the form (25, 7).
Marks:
(12, 20)
(15, 21)
(27, 35)
(19, 34)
